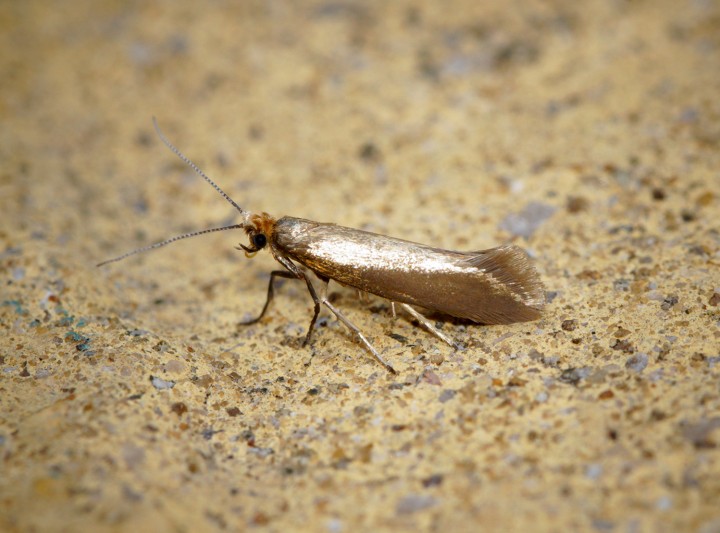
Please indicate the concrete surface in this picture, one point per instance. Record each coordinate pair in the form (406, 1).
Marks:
(588, 133)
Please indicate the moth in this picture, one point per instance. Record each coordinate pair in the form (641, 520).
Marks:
(494, 286)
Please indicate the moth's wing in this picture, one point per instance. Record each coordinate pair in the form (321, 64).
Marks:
(504, 287)
(495, 286)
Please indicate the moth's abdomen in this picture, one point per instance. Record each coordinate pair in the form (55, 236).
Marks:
(495, 286)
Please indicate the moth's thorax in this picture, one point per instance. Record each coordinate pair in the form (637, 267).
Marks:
(291, 231)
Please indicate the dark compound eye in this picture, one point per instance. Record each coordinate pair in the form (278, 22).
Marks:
(259, 240)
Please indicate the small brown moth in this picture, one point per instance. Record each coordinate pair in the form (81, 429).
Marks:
(494, 286)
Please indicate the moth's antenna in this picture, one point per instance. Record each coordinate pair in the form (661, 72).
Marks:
(168, 241)
(195, 168)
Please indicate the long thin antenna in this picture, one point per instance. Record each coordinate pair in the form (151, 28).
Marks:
(195, 167)
(168, 241)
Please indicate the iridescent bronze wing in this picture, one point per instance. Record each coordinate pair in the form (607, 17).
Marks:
(494, 286)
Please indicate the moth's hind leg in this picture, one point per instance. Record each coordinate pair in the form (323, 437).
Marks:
(429, 325)
(270, 293)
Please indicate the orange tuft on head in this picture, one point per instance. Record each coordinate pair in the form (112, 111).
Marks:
(262, 223)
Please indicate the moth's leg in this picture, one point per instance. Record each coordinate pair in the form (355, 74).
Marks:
(324, 300)
(429, 325)
(270, 294)
(392, 306)
(356, 330)
(301, 274)
(316, 300)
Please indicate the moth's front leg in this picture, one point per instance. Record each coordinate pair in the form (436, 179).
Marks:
(270, 294)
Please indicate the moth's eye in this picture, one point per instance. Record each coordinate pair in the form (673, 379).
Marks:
(259, 240)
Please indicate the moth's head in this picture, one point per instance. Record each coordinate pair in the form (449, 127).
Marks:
(259, 229)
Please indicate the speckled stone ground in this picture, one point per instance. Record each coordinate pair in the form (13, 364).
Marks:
(588, 133)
